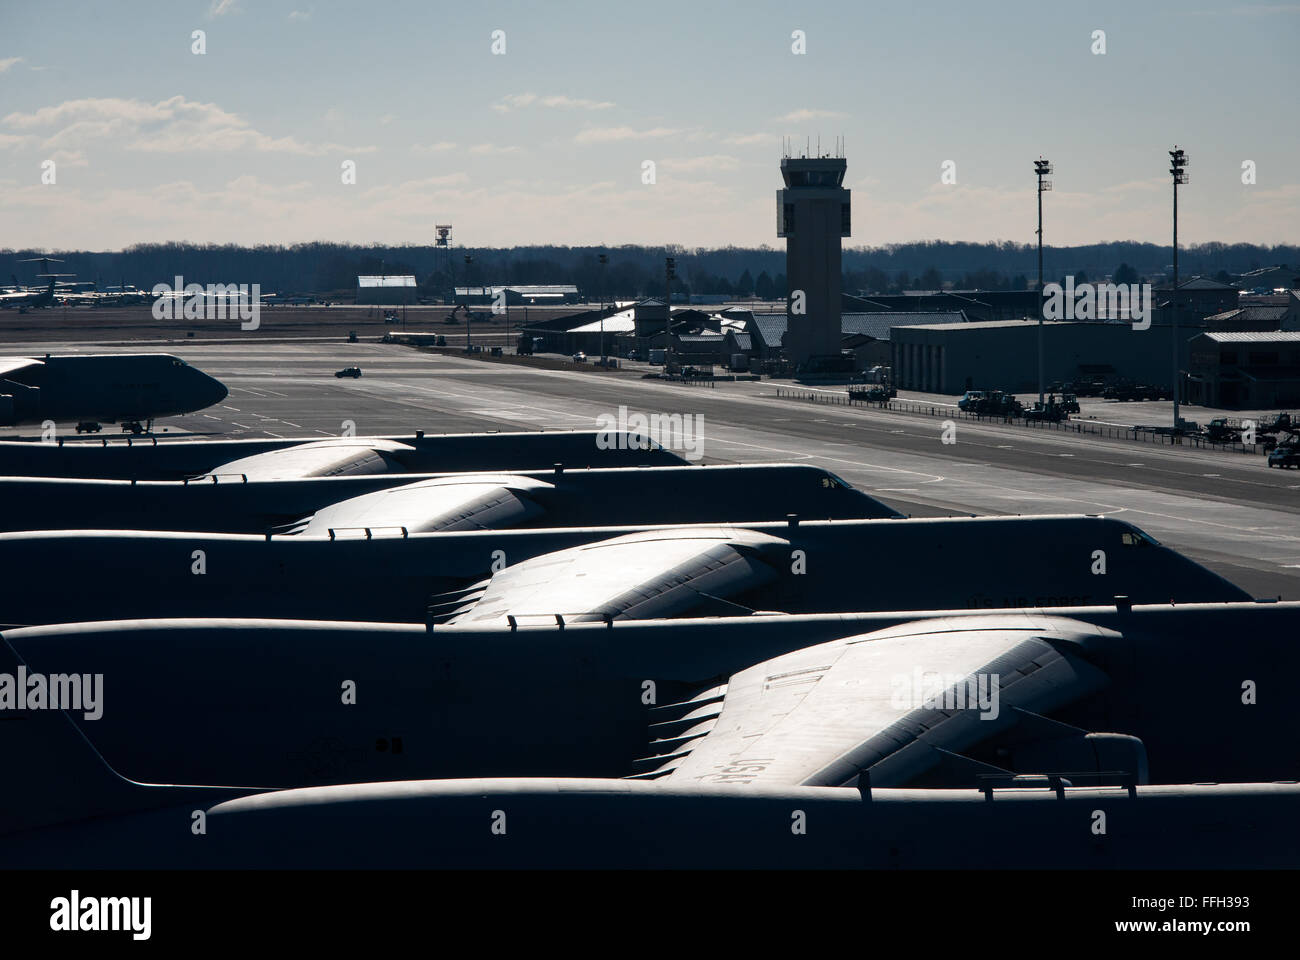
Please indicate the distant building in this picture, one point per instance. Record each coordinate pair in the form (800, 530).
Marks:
(519, 294)
(388, 291)
(1245, 369)
(1198, 297)
(1256, 318)
(1003, 355)
(1280, 277)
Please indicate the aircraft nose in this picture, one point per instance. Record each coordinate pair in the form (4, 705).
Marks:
(216, 390)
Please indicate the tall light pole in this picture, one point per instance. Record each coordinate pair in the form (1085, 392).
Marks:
(469, 317)
(670, 268)
(604, 261)
(1177, 168)
(1041, 169)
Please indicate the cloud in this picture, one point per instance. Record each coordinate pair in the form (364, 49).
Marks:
(220, 8)
(297, 16)
(717, 161)
(803, 115)
(70, 158)
(442, 146)
(175, 125)
(615, 134)
(9, 62)
(386, 119)
(484, 149)
(1250, 10)
(747, 139)
(515, 101)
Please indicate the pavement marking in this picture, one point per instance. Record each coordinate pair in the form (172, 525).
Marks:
(224, 407)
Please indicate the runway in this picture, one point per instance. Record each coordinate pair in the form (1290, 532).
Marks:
(1226, 510)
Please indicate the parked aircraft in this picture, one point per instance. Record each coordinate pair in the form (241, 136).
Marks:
(873, 740)
(28, 299)
(133, 389)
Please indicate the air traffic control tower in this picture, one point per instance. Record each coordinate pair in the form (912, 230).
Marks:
(812, 213)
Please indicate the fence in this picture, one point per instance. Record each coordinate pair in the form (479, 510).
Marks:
(1134, 434)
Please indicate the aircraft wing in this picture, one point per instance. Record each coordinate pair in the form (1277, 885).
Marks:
(461, 502)
(659, 573)
(897, 703)
(13, 364)
(339, 456)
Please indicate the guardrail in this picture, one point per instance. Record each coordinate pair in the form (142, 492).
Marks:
(1065, 426)
(691, 381)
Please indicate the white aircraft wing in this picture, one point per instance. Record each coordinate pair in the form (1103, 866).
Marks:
(461, 502)
(12, 364)
(340, 456)
(659, 573)
(889, 702)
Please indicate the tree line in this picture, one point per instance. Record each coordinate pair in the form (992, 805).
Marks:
(634, 270)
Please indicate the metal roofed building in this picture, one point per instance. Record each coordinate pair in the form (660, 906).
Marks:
(1258, 369)
(518, 294)
(1257, 317)
(394, 290)
(1003, 354)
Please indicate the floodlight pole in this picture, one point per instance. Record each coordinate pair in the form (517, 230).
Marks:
(603, 259)
(1177, 161)
(669, 268)
(1041, 169)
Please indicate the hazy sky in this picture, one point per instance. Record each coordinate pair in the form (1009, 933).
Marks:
(546, 142)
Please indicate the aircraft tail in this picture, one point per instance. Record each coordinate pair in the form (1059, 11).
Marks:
(54, 774)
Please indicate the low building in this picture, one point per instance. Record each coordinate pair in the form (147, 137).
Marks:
(1248, 369)
(1003, 355)
(519, 294)
(1280, 277)
(388, 291)
(1258, 317)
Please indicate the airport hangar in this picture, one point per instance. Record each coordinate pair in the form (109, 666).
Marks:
(1003, 354)
(386, 291)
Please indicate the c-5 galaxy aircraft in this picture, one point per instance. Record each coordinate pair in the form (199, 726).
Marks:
(1105, 737)
(131, 389)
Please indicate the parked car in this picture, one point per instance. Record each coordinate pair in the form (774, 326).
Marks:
(1284, 457)
(969, 398)
(579, 357)
(352, 372)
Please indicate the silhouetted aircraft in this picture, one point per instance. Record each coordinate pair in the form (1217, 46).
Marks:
(131, 389)
(1076, 737)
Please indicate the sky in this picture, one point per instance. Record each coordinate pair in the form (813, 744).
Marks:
(524, 123)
